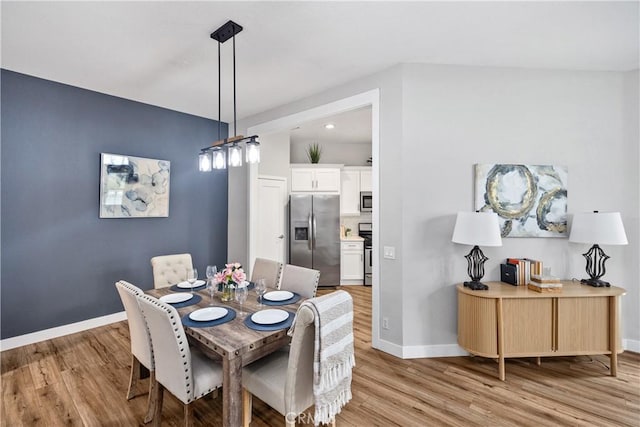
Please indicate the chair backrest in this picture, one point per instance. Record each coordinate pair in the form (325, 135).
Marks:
(298, 389)
(170, 269)
(140, 338)
(301, 280)
(172, 354)
(268, 270)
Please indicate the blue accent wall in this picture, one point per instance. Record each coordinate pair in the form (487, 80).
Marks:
(59, 259)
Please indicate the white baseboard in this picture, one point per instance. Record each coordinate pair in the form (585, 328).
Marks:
(72, 328)
(438, 350)
(389, 347)
(420, 351)
(631, 345)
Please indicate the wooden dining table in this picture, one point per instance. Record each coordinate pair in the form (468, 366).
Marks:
(234, 343)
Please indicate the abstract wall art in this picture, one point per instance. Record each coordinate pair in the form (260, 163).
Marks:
(530, 200)
(133, 187)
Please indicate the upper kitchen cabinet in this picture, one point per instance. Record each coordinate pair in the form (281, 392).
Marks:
(353, 181)
(317, 178)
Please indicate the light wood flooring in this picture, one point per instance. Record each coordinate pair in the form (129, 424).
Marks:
(81, 379)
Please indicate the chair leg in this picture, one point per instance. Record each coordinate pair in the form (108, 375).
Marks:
(289, 423)
(247, 399)
(135, 375)
(157, 413)
(153, 398)
(188, 414)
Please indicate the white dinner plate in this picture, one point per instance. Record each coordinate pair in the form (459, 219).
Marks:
(176, 298)
(207, 314)
(278, 295)
(269, 316)
(187, 285)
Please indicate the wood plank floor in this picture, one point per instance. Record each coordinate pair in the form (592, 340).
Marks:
(81, 380)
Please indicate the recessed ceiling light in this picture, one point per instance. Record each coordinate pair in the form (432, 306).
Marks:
(329, 126)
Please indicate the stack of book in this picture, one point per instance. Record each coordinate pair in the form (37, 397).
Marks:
(541, 283)
(518, 271)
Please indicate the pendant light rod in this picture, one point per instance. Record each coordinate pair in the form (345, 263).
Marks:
(219, 88)
(235, 132)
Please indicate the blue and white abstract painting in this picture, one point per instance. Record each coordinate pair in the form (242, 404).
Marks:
(530, 200)
(133, 187)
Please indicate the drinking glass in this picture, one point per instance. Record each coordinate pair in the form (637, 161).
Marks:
(241, 296)
(211, 271)
(211, 288)
(192, 276)
(261, 288)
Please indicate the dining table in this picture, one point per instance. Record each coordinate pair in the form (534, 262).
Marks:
(233, 342)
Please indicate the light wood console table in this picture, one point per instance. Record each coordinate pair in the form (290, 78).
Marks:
(513, 321)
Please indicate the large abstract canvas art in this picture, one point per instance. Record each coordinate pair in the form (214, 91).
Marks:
(530, 200)
(133, 187)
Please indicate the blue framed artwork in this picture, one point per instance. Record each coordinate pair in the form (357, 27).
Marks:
(133, 187)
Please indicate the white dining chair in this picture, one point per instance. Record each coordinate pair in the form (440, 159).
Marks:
(141, 352)
(268, 270)
(186, 372)
(285, 379)
(170, 269)
(301, 280)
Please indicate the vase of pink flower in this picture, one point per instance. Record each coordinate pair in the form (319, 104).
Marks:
(228, 279)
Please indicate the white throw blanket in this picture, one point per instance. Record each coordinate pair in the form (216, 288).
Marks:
(334, 355)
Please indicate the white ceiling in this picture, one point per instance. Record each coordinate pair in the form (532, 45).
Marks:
(160, 53)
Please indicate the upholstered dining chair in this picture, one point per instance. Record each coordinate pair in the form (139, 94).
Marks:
(285, 380)
(185, 372)
(301, 280)
(141, 352)
(268, 270)
(170, 269)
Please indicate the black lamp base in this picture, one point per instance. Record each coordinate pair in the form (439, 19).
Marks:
(476, 286)
(597, 283)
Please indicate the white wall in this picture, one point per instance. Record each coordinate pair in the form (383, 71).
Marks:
(274, 154)
(455, 117)
(389, 231)
(436, 122)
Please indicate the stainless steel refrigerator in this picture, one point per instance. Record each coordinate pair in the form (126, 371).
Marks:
(314, 234)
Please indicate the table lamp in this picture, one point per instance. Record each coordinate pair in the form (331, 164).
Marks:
(597, 228)
(476, 228)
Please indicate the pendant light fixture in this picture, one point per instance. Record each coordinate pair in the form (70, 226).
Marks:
(228, 150)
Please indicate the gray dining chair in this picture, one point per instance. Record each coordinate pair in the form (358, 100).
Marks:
(186, 372)
(301, 280)
(170, 269)
(284, 379)
(268, 270)
(141, 352)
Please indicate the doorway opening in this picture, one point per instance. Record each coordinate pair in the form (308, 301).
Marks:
(367, 99)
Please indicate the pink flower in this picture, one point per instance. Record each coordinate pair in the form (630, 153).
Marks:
(239, 276)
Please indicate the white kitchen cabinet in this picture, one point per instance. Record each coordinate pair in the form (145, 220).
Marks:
(352, 262)
(353, 180)
(321, 179)
(350, 192)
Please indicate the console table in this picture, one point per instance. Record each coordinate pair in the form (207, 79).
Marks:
(513, 321)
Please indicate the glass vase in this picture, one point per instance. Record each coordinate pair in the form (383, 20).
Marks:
(227, 292)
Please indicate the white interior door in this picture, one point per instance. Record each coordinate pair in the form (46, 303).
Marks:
(271, 219)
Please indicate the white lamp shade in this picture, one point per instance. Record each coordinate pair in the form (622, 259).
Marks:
(477, 228)
(601, 228)
(205, 161)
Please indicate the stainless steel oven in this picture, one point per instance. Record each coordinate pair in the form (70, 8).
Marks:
(365, 230)
(366, 201)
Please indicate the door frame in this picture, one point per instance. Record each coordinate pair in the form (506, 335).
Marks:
(370, 98)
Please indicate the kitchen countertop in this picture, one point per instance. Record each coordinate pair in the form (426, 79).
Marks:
(352, 239)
